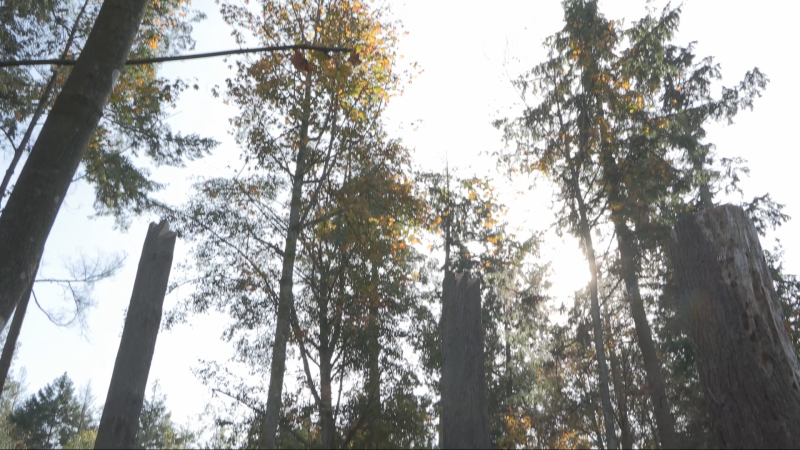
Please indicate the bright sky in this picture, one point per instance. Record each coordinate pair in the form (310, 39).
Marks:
(468, 51)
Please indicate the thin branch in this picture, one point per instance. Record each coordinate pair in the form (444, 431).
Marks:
(140, 61)
(303, 354)
(10, 140)
(44, 98)
(49, 317)
(239, 399)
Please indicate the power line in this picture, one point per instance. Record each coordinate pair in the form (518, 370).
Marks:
(132, 62)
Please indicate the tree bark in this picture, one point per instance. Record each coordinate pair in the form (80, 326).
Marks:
(21, 309)
(269, 430)
(745, 357)
(120, 420)
(577, 164)
(326, 349)
(33, 205)
(327, 424)
(597, 324)
(626, 439)
(10, 345)
(465, 413)
(665, 422)
(373, 366)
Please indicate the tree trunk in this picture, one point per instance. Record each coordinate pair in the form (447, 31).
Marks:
(373, 367)
(44, 98)
(509, 365)
(622, 401)
(326, 349)
(33, 205)
(327, 425)
(10, 345)
(665, 422)
(597, 326)
(747, 364)
(285, 295)
(465, 413)
(576, 164)
(120, 420)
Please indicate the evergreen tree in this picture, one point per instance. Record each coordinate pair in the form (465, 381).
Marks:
(52, 417)
(12, 396)
(156, 428)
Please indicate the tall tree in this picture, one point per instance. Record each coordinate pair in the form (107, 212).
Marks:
(465, 223)
(465, 413)
(555, 138)
(735, 320)
(658, 101)
(302, 126)
(592, 39)
(33, 205)
(134, 118)
(640, 104)
(52, 417)
(121, 411)
(133, 122)
(322, 110)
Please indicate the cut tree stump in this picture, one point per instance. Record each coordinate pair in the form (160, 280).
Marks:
(746, 360)
(120, 421)
(465, 411)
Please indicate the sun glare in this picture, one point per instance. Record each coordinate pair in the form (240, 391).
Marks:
(569, 271)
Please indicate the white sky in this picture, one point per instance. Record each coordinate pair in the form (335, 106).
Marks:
(468, 51)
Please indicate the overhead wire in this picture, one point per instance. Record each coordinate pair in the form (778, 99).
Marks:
(161, 59)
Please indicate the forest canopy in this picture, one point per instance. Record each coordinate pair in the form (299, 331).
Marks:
(314, 246)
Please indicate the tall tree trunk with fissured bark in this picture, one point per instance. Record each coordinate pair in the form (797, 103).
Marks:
(747, 364)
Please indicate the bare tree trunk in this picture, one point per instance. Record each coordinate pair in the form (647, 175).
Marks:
(373, 366)
(285, 295)
(327, 424)
(33, 205)
(747, 364)
(665, 422)
(13, 335)
(465, 413)
(622, 401)
(327, 345)
(585, 231)
(120, 421)
(597, 325)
